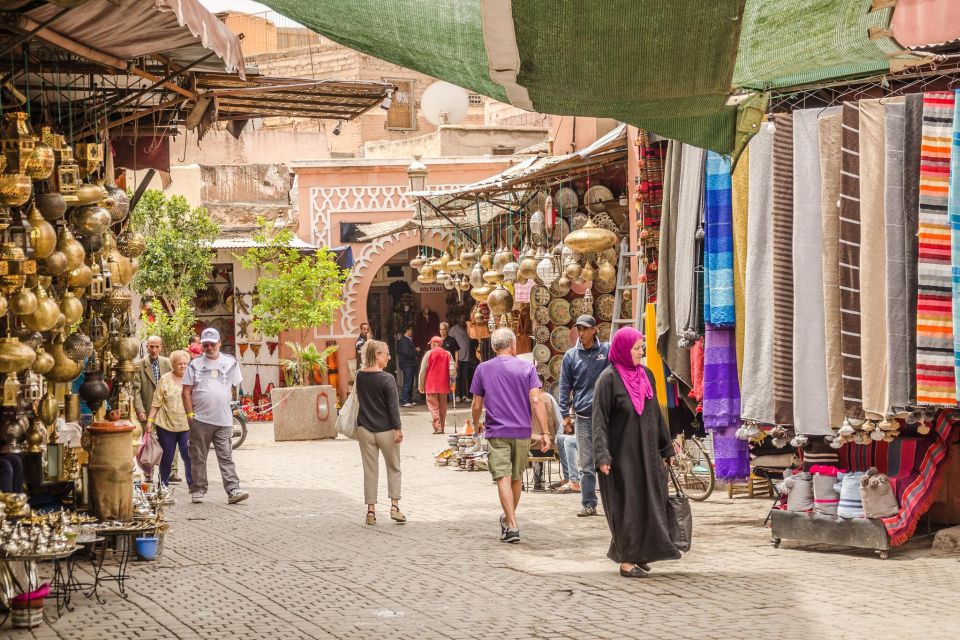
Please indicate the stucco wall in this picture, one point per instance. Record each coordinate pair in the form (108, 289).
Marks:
(457, 140)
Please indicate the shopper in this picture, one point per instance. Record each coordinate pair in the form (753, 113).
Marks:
(578, 374)
(379, 431)
(208, 387)
(435, 382)
(508, 388)
(170, 419)
(149, 370)
(566, 444)
(407, 361)
(195, 349)
(365, 334)
(459, 333)
(633, 447)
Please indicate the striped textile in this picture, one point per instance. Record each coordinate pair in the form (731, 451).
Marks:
(899, 328)
(848, 485)
(936, 379)
(721, 391)
(873, 259)
(953, 213)
(849, 256)
(829, 197)
(912, 137)
(783, 269)
(718, 304)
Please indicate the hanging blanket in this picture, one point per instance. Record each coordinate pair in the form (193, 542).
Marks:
(654, 362)
(912, 142)
(689, 216)
(873, 259)
(740, 190)
(718, 303)
(721, 391)
(936, 381)
(953, 212)
(809, 362)
(758, 321)
(914, 466)
(731, 456)
(783, 269)
(899, 371)
(849, 257)
(829, 139)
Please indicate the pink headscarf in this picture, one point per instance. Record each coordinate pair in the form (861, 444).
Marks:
(634, 377)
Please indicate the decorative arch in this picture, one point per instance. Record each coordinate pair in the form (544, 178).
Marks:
(371, 259)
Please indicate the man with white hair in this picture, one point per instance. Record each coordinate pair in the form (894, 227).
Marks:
(508, 388)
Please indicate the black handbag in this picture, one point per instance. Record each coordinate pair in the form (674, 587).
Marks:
(680, 517)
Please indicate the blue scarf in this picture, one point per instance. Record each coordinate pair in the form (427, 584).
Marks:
(718, 305)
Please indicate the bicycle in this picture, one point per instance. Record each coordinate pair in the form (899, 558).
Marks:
(239, 425)
(693, 467)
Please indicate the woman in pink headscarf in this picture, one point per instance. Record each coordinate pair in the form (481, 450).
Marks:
(631, 443)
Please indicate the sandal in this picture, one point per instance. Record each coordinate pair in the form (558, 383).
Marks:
(397, 516)
(371, 517)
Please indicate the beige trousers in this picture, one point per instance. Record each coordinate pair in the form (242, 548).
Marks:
(371, 445)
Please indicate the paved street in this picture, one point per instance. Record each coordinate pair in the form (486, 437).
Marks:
(297, 561)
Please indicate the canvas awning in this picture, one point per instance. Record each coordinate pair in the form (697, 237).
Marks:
(668, 67)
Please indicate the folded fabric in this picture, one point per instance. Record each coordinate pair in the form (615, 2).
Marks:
(848, 486)
(799, 490)
(826, 499)
(878, 497)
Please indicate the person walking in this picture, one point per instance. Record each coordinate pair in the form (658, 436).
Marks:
(208, 387)
(633, 449)
(578, 374)
(170, 419)
(365, 334)
(407, 361)
(379, 431)
(149, 371)
(459, 333)
(435, 382)
(508, 389)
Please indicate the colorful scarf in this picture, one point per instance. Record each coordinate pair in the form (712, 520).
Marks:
(634, 376)
(936, 378)
(912, 143)
(783, 270)
(740, 190)
(718, 303)
(849, 255)
(731, 456)
(721, 390)
(953, 212)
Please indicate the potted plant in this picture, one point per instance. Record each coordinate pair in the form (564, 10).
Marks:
(306, 365)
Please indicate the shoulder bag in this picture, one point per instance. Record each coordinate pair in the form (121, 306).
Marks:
(679, 517)
(347, 416)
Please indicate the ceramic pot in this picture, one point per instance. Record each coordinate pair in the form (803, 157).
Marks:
(94, 390)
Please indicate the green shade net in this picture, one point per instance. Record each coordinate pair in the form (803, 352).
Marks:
(786, 42)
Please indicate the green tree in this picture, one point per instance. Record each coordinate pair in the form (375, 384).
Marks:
(178, 259)
(294, 290)
(175, 327)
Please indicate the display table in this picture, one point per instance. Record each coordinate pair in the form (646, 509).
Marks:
(810, 527)
(122, 542)
(62, 574)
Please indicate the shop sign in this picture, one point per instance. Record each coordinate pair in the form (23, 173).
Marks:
(433, 287)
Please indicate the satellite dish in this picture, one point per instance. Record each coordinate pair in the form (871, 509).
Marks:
(444, 103)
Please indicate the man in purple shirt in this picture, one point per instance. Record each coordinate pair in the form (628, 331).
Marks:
(509, 389)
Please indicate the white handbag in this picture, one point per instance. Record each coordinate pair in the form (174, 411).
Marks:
(347, 417)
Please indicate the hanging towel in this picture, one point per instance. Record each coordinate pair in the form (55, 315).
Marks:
(757, 400)
(721, 391)
(731, 456)
(953, 211)
(912, 142)
(873, 259)
(936, 381)
(809, 362)
(689, 215)
(740, 190)
(654, 362)
(829, 126)
(783, 269)
(666, 335)
(696, 374)
(898, 324)
(718, 304)
(849, 259)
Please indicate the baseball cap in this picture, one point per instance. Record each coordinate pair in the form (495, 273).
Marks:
(436, 339)
(210, 335)
(585, 321)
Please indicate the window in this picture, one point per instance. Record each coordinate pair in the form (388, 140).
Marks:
(476, 100)
(402, 114)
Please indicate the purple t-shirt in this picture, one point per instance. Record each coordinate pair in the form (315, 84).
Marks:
(505, 383)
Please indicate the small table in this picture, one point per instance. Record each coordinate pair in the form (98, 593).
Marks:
(68, 584)
(59, 577)
(124, 544)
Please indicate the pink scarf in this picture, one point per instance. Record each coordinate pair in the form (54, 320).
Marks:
(634, 377)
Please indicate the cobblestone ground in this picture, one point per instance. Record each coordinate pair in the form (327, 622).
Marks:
(297, 561)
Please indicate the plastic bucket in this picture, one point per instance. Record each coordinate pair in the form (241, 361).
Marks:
(146, 547)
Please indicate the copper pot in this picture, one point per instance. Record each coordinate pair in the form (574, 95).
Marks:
(43, 237)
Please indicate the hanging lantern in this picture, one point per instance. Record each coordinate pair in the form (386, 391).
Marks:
(587, 273)
(549, 216)
(500, 301)
(449, 283)
(464, 284)
(588, 302)
(486, 261)
(480, 293)
(442, 276)
(501, 258)
(528, 266)
(590, 239)
(510, 271)
(537, 226)
(476, 275)
(417, 262)
(492, 277)
(548, 270)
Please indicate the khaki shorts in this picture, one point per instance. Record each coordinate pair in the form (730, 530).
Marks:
(507, 457)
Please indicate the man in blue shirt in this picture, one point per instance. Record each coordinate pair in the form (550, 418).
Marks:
(582, 365)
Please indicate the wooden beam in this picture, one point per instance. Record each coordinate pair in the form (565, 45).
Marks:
(133, 116)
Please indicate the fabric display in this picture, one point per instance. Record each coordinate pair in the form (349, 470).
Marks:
(848, 486)
(798, 487)
(877, 495)
(826, 498)
(718, 305)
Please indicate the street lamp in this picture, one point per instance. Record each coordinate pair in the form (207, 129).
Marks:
(417, 175)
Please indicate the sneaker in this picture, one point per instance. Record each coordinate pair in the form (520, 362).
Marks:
(236, 496)
(511, 536)
(175, 478)
(408, 405)
(197, 496)
(503, 525)
(586, 512)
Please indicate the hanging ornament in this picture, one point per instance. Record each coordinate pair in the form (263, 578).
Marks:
(548, 270)
(549, 216)
(476, 275)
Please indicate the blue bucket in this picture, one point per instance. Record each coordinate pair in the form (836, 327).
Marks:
(147, 547)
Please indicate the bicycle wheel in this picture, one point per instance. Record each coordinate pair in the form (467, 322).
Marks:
(694, 470)
(239, 431)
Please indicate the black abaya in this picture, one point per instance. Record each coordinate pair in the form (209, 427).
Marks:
(635, 492)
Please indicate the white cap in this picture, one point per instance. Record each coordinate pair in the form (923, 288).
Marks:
(210, 335)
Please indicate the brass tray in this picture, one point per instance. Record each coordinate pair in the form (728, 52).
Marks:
(559, 311)
(604, 307)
